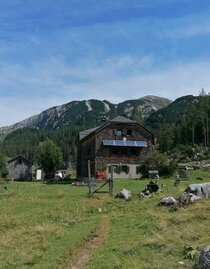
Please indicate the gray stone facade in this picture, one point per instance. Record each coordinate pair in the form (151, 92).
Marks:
(20, 168)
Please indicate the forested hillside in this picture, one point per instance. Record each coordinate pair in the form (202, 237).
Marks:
(185, 122)
(173, 112)
(26, 140)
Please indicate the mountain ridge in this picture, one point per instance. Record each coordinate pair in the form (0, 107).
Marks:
(86, 113)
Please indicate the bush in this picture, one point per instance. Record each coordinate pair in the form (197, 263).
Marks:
(160, 162)
(168, 170)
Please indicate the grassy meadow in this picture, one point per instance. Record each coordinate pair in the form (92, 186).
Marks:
(42, 226)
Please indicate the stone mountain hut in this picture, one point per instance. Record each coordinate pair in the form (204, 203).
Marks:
(120, 145)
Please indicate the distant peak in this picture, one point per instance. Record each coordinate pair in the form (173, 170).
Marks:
(152, 97)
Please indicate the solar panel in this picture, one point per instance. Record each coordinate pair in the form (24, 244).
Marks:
(108, 142)
(120, 143)
(130, 143)
(125, 143)
(141, 144)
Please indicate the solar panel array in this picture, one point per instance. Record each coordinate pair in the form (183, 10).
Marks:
(125, 143)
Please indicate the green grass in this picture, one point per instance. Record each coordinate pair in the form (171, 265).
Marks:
(41, 225)
(145, 236)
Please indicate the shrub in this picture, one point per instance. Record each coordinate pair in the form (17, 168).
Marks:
(168, 170)
(160, 162)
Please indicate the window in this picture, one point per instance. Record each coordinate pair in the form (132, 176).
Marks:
(129, 132)
(112, 168)
(20, 161)
(118, 132)
(123, 132)
(125, 169)
(116, 169)
(138, 169)
(113, 151)
(129, 152)
(124, 151)
(134, 151)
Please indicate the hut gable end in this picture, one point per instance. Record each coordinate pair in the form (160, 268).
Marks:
(20, 168)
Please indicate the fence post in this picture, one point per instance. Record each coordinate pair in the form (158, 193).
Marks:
(90, 180)
(111, 181)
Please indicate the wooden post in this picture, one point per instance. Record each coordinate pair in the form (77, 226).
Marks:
(111, 181)
(139, 186)
(90, 180)
(89, 171)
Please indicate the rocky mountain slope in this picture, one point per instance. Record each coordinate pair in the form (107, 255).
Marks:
(87, 113)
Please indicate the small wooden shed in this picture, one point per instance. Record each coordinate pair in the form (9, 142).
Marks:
(39, 173)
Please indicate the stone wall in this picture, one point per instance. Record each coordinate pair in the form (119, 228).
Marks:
(20, 169)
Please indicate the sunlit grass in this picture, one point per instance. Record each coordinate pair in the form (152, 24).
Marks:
(41, 226)
(146, 236)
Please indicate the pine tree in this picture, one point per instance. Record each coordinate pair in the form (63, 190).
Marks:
(136, 115)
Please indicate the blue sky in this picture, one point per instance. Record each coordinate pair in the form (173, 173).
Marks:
(56, 51)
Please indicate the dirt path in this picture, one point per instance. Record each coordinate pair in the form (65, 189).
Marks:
(84, 253)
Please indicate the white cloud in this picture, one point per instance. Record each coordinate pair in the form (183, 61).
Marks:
(186, 27)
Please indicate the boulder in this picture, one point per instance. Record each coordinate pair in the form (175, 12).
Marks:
(201, 190)
(168, 201)
(124, 194)
(204, 261)
(194, 197)
(186, 198)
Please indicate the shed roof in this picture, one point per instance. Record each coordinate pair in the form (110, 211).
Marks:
(17, 157)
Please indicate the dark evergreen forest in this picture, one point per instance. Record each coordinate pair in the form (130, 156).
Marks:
(25, 142)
